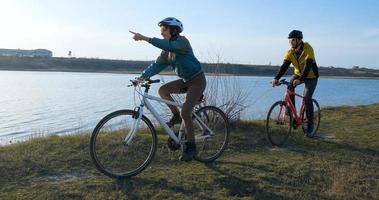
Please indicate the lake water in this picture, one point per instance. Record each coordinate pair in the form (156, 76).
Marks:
(39, 103)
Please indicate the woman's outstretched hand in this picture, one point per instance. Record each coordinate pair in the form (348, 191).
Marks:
(139, 37)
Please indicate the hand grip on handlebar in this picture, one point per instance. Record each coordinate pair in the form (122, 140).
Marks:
(134, 83)
(281, 82)
(149, 81)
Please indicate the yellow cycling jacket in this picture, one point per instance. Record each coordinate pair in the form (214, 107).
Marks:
(299, 64)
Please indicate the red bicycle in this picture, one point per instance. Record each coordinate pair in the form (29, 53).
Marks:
(282, 117)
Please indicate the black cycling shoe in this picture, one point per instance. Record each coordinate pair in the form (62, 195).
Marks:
(294, 124)
(189, 151)
(176, 119)
(310, 130)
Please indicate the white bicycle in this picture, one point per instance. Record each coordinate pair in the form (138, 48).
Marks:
(124, 142)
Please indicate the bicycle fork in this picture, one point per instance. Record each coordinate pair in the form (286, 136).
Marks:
(136, 122)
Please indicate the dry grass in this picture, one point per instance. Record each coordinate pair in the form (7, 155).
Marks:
(344, 166)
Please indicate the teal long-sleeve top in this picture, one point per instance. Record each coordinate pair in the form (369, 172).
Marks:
(179, 54)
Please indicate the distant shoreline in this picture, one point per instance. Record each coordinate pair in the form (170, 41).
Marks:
(60, 64)
(171, 73)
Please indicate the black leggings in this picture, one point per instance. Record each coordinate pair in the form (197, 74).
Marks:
(310, 86)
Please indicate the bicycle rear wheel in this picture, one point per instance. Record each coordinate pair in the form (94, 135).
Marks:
(112, 155)
(278, 124)
(316, 118)
(211, 129)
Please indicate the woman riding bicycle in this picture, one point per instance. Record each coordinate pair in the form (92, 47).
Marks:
(302, 57)
(178, 53)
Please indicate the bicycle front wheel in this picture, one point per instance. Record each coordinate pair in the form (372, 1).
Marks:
(115, 157)
(211, 128)
(278, 123)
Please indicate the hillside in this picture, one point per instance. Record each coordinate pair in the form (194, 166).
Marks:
(130, 66)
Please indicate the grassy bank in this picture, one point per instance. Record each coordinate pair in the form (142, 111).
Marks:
(343, 164)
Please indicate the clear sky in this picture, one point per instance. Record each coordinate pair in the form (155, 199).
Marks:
(343, 33)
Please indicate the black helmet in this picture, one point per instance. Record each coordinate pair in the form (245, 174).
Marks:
(295, 34)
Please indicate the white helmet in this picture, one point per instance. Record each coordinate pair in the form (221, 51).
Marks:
(172, 21)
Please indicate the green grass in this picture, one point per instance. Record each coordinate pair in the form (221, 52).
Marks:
(343, 164)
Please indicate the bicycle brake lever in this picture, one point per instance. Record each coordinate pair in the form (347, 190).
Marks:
(134, 83)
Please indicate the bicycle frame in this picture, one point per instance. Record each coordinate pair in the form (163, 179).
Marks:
(169, 131)
(287, 99)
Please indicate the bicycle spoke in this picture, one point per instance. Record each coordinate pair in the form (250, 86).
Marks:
(278, 124)
(112, 155)
(316, 118)
(212, 131)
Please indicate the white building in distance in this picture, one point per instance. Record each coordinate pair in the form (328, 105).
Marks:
(44, 53)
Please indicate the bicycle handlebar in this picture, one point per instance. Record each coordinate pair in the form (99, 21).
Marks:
(283, 82)
(143, 83)
(149, 81)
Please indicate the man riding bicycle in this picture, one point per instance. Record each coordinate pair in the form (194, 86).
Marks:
(302, 57)
(178, 53)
